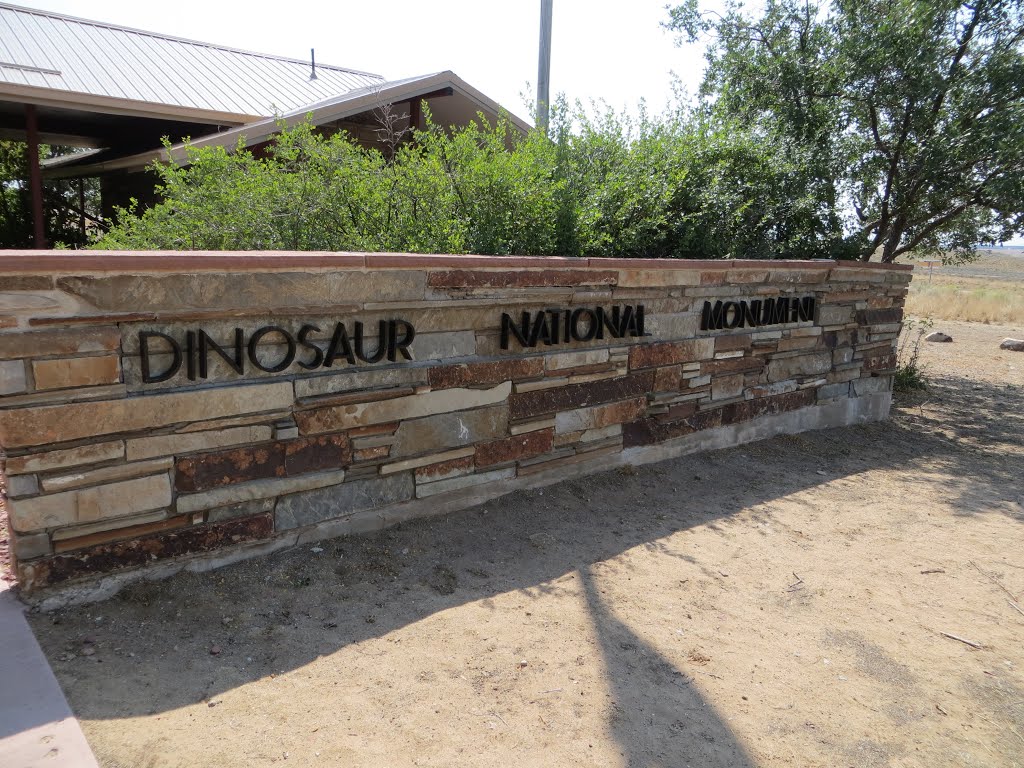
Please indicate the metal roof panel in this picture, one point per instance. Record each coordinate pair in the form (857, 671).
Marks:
(105, 60)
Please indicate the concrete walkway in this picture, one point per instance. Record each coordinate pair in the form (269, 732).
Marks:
(37, 727)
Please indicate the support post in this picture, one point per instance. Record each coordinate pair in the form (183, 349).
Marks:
(35, 177)
(544, 65)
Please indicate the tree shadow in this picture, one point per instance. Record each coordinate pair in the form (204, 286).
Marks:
(291, 608)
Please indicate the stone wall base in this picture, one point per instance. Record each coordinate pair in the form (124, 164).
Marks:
(836, 413)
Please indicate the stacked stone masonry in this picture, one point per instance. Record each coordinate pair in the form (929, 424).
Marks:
(149, 417)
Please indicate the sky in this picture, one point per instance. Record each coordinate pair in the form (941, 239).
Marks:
(611, 50)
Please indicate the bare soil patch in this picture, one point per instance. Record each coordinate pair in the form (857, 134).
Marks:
(778, 604)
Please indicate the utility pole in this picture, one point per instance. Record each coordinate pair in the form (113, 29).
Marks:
(544, 65)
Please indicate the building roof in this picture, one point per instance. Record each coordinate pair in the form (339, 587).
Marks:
(63, 61)
(460, 110)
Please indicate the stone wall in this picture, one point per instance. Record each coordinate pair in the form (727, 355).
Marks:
(171, 410)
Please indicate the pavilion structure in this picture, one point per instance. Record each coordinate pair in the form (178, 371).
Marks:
(116, 93)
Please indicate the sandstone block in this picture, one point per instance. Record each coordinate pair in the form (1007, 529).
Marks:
(22, 485)
(71, 457)
(309, 507)
(341, 417)
(257, 489)
(804, 365)
(449, 430)
(800, 342)
(12, 378)
(767, 390)
(679, 325)
(422, 461)
(443, 346)
(59, 423)
(70, 544)
(354, 381)
(731, 343)
(842, 356)
(582, 358)
(423, 490)
(669, 353)
(605, 433)
(600, 416)
(27, 547)
(657, 278)
(531, 426)
(834, 315)
(76, 372)
(213, 291)
(727, 387)
(445, 469)
(65, 341)
(88, 529)
(526, 405)
(481, 374)
(514, 448)
(107, 474)
(178, 444)
(831, 391)
(522, 278)
(87, 505)
(872, 385)
(668, 379)
(244, 509)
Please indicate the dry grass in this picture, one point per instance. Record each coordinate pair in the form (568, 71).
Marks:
(964, 298)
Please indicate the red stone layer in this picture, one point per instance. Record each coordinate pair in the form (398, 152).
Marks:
(63, 262)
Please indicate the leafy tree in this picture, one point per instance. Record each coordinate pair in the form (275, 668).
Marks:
(904, 119)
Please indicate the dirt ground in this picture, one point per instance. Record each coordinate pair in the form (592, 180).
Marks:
(839, 598)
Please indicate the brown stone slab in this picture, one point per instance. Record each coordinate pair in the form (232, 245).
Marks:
(732, 365)
(667, 379)
(879, 316)
(651, 430)
(528, 278)
(525, 405)
(485, 374)
(879, 363)
(116, 534)
(62, 343)
(735, 413)
(371, 454)
(283, 458)
(670, 353)
(312, 454)
(76, 372)
(732, 343)
(134, 553)
(513, 448)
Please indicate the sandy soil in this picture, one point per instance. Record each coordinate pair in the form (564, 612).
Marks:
(779, 604)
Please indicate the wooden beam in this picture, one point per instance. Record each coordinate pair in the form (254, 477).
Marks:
(35, 177)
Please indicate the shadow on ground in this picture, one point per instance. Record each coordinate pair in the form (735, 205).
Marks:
(284, 611)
